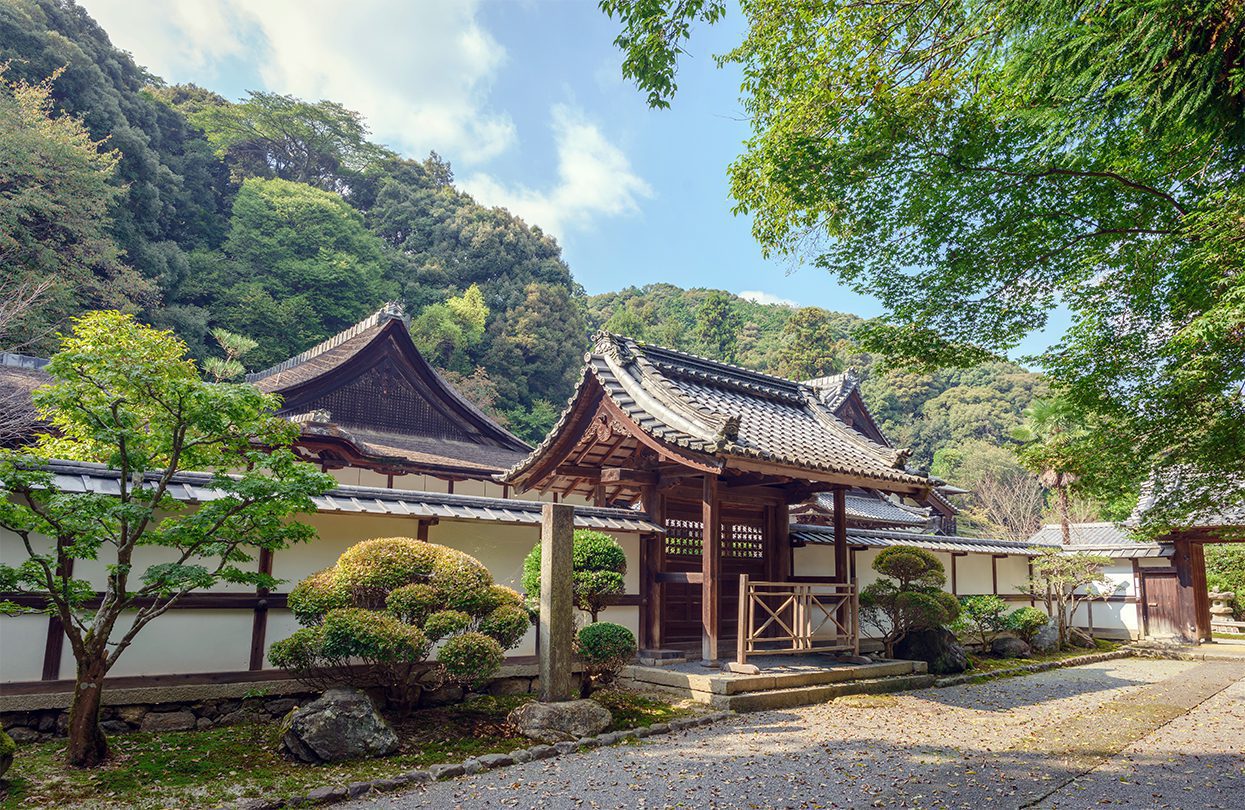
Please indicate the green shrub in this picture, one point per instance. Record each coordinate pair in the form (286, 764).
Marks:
(1027, 622)
(371, 636)
(508, 624)
(316, 595)
(300, 652)
(605, 648)
(7, 746)
(471, 659)
(371, 619)
(598, 566)
(1225, 571)
(983, 616)
(445, 623)
(413, 603)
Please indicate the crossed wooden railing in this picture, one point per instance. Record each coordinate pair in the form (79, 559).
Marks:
(796, 617)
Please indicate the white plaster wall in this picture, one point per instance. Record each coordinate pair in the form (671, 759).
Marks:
(183, 641)
(1013, 574)
(973, 574)
(22, 641)
(813, 560)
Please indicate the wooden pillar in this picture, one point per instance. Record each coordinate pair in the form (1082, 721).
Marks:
(840, 534)
(1187, 580)
(55, 643)
(994, 574)
(652, 563)
(711, 568)
(955, 588)
(778, 553)
(557, 624)
(1201, 597)
(259, 623)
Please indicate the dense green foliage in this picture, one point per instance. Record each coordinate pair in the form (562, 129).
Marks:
(604, 648)
(384, 604)
(1225, 571)
(974, 163)
(126, 395)
(598, 564)
(907, 596)
(982, 615)
(1026, 622)
(271, 217)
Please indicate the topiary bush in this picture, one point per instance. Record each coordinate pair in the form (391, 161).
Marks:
(598, 567)
(372, 619)
(908, 596)
(1027, 622)
(605, 648)
(471, 658)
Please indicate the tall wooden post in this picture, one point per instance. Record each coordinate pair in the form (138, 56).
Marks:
(840, 534)
(711, 568)
(652, 562)
(557, 529)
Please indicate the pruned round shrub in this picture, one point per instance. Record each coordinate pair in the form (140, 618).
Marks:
(446, 623)
(983, 616)
(1026, 622)
(605, 648)
(372, 618)
(371, 636)
(301, 651)
(471, 658)
(598, 566)
(413, 603)
(508, 624)
(316, 595)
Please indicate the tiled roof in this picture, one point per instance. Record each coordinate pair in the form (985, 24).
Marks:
(870, 509)
(727, 412)
(325, 355)
(191, 487)
(870, 538)
(19, 376)
(835, 388)
(1083, 534)
(1178, 484)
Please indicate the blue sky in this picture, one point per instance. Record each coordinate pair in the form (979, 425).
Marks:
(526, 100)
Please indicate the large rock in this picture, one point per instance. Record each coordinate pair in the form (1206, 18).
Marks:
(1009, 647)
(168, 721)
(565, 721)
(341, 724)
(1079, 638)
(938, 647)
(1047, 639)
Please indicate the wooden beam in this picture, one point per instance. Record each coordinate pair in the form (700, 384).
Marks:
(680, 577)
(711, 568)
(55, 643)
(577, 471)
(628, 475)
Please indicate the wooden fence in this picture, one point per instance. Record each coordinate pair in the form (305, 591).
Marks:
(796, 617)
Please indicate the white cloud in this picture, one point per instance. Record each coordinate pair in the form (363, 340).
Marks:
(594, 179)
(419, 73)
(762, 297)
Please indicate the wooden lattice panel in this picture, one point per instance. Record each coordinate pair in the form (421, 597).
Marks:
(383, 398)
(683, 537)
(744, 541)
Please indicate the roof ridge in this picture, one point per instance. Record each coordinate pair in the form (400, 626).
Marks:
(15, 360)
(741, 371)
(390, 311)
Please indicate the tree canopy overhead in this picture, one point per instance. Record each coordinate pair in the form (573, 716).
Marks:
(974, 164)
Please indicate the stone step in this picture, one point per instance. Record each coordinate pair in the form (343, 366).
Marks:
(808, 695)
(713, 683)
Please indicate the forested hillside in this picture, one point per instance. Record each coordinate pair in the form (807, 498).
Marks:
(278, 219)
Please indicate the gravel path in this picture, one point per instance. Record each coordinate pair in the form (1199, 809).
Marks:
(1004, 743)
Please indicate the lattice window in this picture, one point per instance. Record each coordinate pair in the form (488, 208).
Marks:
(743, 541)
(683, 537)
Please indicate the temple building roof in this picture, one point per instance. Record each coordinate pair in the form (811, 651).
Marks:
(367, 397)
(711, 416)
(864, 510)
(871, 538)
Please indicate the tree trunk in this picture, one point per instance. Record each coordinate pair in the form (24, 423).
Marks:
(87, 746)
(1064, 523)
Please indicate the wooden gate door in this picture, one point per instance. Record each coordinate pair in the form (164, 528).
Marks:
(743, 552)
(1160, 610)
